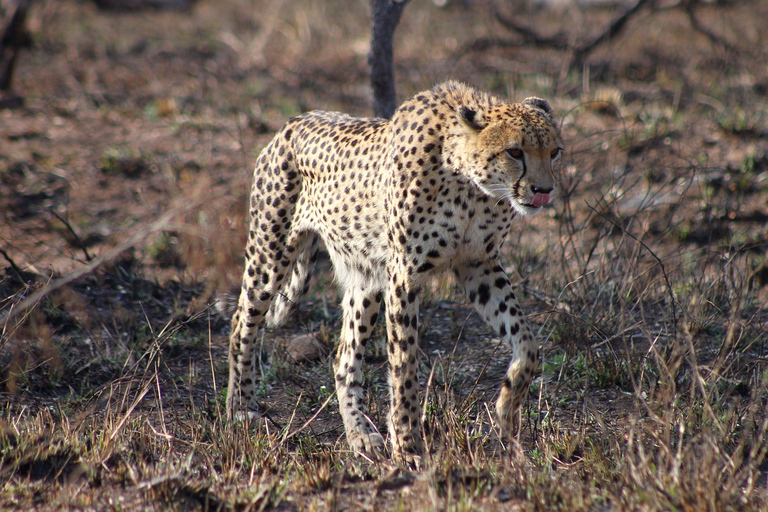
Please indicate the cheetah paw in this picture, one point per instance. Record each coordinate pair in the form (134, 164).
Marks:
(368, 445)
(410, 460)
(245, 416)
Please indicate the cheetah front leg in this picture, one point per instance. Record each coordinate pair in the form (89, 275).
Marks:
(490, 291)
(402, 304)
(361, 310)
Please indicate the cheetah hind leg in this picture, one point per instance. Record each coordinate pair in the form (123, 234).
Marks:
(260, 285)
(361, 310)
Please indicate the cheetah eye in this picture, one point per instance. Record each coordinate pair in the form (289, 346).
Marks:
(515, 153)
(555, 152)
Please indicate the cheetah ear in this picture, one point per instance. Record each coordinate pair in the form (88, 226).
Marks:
(539, 104)
(473, 119)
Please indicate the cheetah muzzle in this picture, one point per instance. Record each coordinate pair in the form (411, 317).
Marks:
(395, 202)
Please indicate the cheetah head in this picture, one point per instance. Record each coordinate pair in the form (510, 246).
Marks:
(511, 151)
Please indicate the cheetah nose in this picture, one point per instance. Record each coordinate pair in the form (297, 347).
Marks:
(540, 196)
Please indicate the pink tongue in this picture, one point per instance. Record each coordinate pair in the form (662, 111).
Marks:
(539, 199)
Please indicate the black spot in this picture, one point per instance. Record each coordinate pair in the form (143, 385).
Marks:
(425, 267)
(483, 294)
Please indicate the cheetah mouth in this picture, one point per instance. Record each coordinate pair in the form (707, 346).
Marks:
(538, 200)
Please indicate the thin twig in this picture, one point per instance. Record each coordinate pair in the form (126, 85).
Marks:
(78, 241)
(306, 423)
(290, 421)
(653, 254)
(15, 268)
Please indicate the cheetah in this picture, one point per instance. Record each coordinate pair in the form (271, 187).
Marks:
(395, 202)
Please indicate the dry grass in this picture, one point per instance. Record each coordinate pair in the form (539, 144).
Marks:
(647, 284)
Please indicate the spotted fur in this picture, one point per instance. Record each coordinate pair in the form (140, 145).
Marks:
(395, 202)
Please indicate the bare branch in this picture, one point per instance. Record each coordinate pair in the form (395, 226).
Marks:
(528, 35)
(690, 10)
(135, 5)
(559, 41)
(613, 30)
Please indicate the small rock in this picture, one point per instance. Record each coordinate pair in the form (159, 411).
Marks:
(305, 348)
(504, 495)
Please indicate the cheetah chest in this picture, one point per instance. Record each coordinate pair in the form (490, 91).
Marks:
(451, 224)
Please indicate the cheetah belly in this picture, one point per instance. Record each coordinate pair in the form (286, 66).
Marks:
(356, 272)
(358, 250)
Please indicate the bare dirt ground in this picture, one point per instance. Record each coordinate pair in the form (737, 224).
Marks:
(647, 282)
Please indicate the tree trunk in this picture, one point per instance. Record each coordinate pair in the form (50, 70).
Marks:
(13, 37)
(385, 15)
